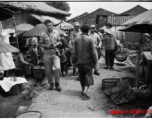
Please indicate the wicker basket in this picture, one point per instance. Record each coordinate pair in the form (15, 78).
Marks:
(109, 82)
(121, 57)
(142, 92)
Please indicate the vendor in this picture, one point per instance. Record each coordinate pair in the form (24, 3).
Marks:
(22, 61)
(33, 50)
(147, 43)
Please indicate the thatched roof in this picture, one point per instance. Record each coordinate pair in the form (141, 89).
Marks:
(36, 6)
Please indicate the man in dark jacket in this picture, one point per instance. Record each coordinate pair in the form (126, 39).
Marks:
(85, 56)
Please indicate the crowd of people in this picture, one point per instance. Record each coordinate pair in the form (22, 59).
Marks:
(80, 49)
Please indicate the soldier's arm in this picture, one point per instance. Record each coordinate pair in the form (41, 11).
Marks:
(93, 52)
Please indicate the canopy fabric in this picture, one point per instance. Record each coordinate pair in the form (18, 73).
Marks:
(143, 18)
(24, 27)
(38, 17)
(6, 48)
(54, 20)
(43, 18)
(66, 26)
(142, 28)
(37, 31)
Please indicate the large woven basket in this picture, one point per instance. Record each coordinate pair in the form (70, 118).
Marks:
(121, 56)
(109, 82)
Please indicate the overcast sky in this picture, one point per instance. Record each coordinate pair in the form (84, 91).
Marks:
(78, 8)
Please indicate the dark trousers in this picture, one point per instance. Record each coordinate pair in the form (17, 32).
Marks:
(109, 57)
(85, 69)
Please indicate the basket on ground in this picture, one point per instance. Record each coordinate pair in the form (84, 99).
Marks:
(109, 82)
(121, 56)
(142, 92)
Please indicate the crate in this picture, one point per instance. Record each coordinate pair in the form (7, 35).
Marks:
(109, 82)
(38, 72)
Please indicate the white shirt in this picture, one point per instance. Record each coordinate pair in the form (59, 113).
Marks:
(6, 59)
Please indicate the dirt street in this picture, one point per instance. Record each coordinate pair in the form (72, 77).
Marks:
(69, 103)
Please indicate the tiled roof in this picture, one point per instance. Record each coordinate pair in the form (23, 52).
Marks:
(135, 10)
(118, 20)
(72, 19)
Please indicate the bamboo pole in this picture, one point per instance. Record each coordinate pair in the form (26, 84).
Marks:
(138, 64)
(14, 22)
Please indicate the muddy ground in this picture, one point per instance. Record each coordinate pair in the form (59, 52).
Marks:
(69, 104)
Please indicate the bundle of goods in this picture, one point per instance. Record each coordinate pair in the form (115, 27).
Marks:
(122, 93)
(131, 81)
(117, 89)
(109, 82)
(121, 55)
(143, 91)
(126, 96)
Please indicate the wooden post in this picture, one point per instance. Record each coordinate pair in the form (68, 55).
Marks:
(138, 64)
(15, 31)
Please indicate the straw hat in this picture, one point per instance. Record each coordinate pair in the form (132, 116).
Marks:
(108, 31)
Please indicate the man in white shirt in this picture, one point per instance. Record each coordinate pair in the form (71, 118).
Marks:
(49, 41)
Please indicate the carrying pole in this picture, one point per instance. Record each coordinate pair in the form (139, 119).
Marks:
(138, 64)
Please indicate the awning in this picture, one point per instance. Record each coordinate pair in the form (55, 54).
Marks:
(54, 20)
(38, 17)
(64, 25)
(43, 18)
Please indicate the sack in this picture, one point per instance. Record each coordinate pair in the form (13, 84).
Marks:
(89, 79)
